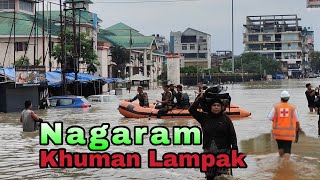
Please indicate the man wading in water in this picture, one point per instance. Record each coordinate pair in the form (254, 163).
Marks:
(285, 124)
(28, 118)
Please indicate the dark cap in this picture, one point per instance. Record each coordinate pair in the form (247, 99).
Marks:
(140, 87)
(212, 101)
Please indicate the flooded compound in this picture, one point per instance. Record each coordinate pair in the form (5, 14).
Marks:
(19, 151)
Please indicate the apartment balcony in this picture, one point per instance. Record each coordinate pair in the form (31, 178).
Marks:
(256, 41)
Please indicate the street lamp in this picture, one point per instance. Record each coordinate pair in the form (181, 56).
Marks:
(232, 38)
(119, 73)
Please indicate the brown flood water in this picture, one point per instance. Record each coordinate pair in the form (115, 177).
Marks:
(19, 151)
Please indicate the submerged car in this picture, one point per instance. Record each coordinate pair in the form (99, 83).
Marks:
(68, 102)
(103, 98)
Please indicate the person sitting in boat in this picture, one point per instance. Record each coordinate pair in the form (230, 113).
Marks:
(142, 97)
(173, 95)
(166, 101)
(219, 135)
(183, 101)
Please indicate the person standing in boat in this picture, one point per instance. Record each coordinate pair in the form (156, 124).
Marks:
(166, 101)
(141, 96)
(285, 124)
(182, 98)
(29, 118)
(219, 135)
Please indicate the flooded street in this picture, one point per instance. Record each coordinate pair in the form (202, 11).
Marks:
(19, 151)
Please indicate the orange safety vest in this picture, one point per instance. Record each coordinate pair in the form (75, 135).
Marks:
(284, 122)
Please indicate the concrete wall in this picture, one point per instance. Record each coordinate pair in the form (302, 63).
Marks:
(173, 69)
(29, 53)
(104, 59)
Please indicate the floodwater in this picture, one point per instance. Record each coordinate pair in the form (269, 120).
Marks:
(19, 151)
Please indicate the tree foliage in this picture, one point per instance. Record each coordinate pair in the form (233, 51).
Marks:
(23, 61)
(253, 63)
(120, 56)
(315, 61)
(193, 70)
(88, 54)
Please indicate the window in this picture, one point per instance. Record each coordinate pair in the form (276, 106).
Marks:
(26, 5)
(184, 47)
(6, 4)
(192, 47)
(21, 46)
(253, 38)
(53, 102)
(65, 102)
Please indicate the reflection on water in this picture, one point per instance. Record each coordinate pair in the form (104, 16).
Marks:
(19, 151)
(304, 163)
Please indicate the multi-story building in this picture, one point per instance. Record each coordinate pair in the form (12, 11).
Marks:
(146, 57)
(277, 37)
(308, 48)
(193, 45)
(22, 26)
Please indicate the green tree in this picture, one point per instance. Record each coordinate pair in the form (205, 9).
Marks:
(253, 63)
(120, 56)
(189, 70)
(88, 54)
(315, 61)
(22, 61)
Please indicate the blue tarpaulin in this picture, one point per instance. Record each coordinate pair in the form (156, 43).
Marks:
(54, 78)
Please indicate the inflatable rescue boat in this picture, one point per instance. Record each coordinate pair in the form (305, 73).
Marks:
(133, 110)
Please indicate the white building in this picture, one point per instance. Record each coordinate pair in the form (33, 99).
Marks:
(277, 37)
(193, 45)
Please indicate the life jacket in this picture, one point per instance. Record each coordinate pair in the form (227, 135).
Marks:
(284, 122)
(170, 103)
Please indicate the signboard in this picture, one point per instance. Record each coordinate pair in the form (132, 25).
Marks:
(313, 3)
(30, 75)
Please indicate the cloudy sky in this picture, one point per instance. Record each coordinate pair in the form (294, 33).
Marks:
(210, 16)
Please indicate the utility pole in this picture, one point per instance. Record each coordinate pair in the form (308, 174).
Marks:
(75, 55)
(232, 40)
(50, 43)
(62, 53)
(130, 57)
(14, 33)
(43, 38)
(35, 34)
(198, 64)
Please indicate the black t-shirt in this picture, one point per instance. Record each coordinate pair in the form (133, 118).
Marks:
(309, 97)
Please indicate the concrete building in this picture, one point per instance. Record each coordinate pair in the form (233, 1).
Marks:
(193, 45)
(308, 48)
(218, 57)
(146, 58)
(22, 35)
(278, 37)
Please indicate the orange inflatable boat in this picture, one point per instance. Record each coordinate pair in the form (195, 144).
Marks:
(133, 110)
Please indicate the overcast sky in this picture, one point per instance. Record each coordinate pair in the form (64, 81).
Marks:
(210, 16)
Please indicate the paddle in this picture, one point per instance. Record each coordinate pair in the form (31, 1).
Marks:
(155, 104)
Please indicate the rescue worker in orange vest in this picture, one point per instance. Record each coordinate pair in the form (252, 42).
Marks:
(285, 124)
